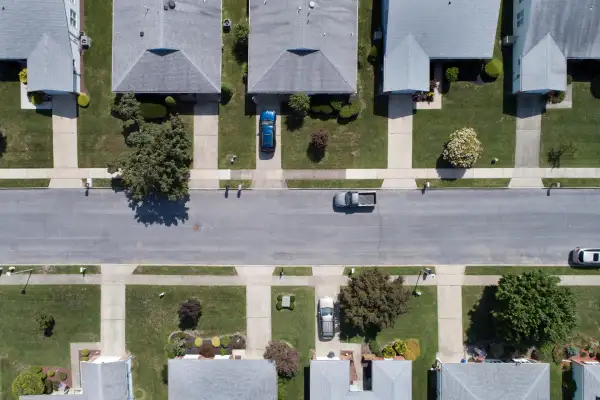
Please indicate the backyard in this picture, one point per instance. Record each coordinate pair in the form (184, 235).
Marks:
(297, 328)
(25, 135)
(151, 319)
(76, 311)
(361, 143)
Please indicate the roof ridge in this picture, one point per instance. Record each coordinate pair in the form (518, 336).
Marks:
(539, 376)
(336, 69)
(463, 385)
(129, 69)
(267, 71)
(201, 71)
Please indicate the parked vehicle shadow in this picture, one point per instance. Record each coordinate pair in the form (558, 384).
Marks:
(266, 156)
(160, 210)
(352, 210)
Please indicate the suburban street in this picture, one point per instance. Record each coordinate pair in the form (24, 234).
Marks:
(301, 228)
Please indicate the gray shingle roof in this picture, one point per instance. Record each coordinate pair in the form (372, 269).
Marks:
(590, 389)
(179, 51)
(38, 31)
(330, 380)
(487, 381)
(294, 47)
(574, 31)
(457, 29)
(222, 380)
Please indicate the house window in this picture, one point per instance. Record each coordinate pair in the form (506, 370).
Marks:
(73, 19)
(520, 17)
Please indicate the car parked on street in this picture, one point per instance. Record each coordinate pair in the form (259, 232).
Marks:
(326, 318)
(586, 256)
(267, 131)
(353, 199)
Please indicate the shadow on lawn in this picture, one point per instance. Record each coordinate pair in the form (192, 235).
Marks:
(481, 326)
(159, 210)
(380, 101)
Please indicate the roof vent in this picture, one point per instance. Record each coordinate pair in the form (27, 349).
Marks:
(166, 7)
(141, 33)
(312, 4)
(171, 4)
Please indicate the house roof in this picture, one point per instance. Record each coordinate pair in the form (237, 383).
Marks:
(574, 33)
(38, 31)
(330, 380)
(302, 46)
(222, 380)
(177, 50)
(457, 29)
(491, 381)
(591, 380)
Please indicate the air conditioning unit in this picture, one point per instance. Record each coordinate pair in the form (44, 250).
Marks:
(86, 42)
(508, 40)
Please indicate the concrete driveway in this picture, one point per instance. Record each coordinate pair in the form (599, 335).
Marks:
(268, 172)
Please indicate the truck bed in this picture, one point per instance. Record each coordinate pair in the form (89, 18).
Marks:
(367, 199)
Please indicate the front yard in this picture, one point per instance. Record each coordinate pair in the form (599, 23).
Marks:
(76, 311)
(25, 135)
(151, 319)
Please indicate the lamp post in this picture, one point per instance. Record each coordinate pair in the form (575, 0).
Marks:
(21, 272)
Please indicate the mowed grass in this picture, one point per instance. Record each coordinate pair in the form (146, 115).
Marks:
(237, 121)
(294, 271)
(297, 328)
(27, 134)
(183, 270)
(76, 311)
(463, 183)
(335, 184)
(499, 270)
(55, 269)
(578, 125)
(151, 319)
(361, 143)
(573, 183)
(392, 270)
(24, 183)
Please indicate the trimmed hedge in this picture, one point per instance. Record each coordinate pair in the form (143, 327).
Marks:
(413, 346)
(153, 110)
(494, 68)
(350, 111)
(170, 102)
(337, 103)
(325, 109)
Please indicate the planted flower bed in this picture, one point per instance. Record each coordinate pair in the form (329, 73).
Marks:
(191, 342)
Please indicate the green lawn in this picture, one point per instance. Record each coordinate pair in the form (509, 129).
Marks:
(488, 108)
(463, 183)
(499, 270)
(361, 143)
(24, 183)
(392, 270)
(578, 126)
(336, 184)
(151, 319)
(234, 183)
(294, 271)
(296, 327)
(572, 183)
(237, 122)
(76, 311)
(56, 269)
(183, 270)
(26, 140)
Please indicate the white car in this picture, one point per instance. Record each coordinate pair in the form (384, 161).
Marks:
(586, 256)
(326, 318)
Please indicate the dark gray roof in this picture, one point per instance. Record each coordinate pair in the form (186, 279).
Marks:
(590, 381)
(457, 29)
(574, 32)
(38, 31)
(294, 47)
(222, 380)
(178, 52)
(490, 381)
(330, 380)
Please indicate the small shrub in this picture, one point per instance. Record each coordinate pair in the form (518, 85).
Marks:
(189, 345)
(279, 297)
(223, 352)
(583, 354)
(555, 96)
(571, 351)
(45, 323)
(494, 68)
(292, 306)
(399, 347)
(463, 148)
(170, 102)
(83, 100)
(176, 348)
(215, 341)
(225, 341)
(63, 376)
(238, 342)
(189, 313)
(558, 353)
(569, 79)
(350, 111)
(27, 383)
(592, 355)
(360, 55)
(337, 103)
(286, 358)
(48, 389)
(372, 58)
(241, 32)
(85, 358)
(180, 335)
(153, 110)
(226, 93)
(413, 345)
(452, 74)
(278, 306)
(198, 342)
(299, 103)
(409, 355)
(319, 140)
(51, 373)
(375, 348)
(388, 352)
(36, 98)
(23, 76)
(85, 352)
(324, 109)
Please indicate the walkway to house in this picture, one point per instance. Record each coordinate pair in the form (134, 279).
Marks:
(400, 126)
(206, 141)
(449, 302)
(64, 138)
(529, 129)
(268, 173)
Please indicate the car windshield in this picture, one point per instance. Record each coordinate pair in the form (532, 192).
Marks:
(264, 123)
(326, 311)
(596, 256)
(581, 256)
(348, 198)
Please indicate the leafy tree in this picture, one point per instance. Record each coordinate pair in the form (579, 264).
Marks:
(241, 32)
(189, 313)
(27, 383)
(532, 310)
(126, 107)
(372, 302)
(286, 358)
(463, 148)
(159, 165)
(45, 323)
(299, 103)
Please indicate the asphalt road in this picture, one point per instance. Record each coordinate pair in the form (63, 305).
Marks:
(300, 228)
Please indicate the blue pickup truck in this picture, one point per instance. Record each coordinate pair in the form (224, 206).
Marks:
(267, 131)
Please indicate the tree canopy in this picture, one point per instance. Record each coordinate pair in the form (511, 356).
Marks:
(27, 383)
(189, 313)
(372, 302)
(532, 309)
(286, 358)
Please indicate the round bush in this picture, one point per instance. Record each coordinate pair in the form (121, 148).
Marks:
(85, 352)
(279, 297)
(583, 354)
(372, 58)
(399, 347)
(215, 341)
(223, 352)
(153, 110)
(337, 103)
(571, 351)
(388, 352)
(292, 306)
(36, 98)
(278, 306)
(189, 345)
(48, 387)
(83, 100)
(63, 376)
(556, 96)
(84, 358)
(350, 111)
(463, 148)
(375, 349)
(494, 68)
(592, 355)
(51, 373)
(299, 103)
(409, 355)
(292, 298)
(413, 345)
(452, 74)
(23, 76)
(198, 342)
(170, 102)
(226, 93)
(225, 341)
(286, 358)
(27, 383)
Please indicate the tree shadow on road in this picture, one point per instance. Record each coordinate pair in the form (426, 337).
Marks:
(160, 210)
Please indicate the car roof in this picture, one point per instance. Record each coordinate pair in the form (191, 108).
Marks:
(268, 115)
(588, 255)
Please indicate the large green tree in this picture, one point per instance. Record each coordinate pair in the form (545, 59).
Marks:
(532, 309)
(372, 301)
(159, 164)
